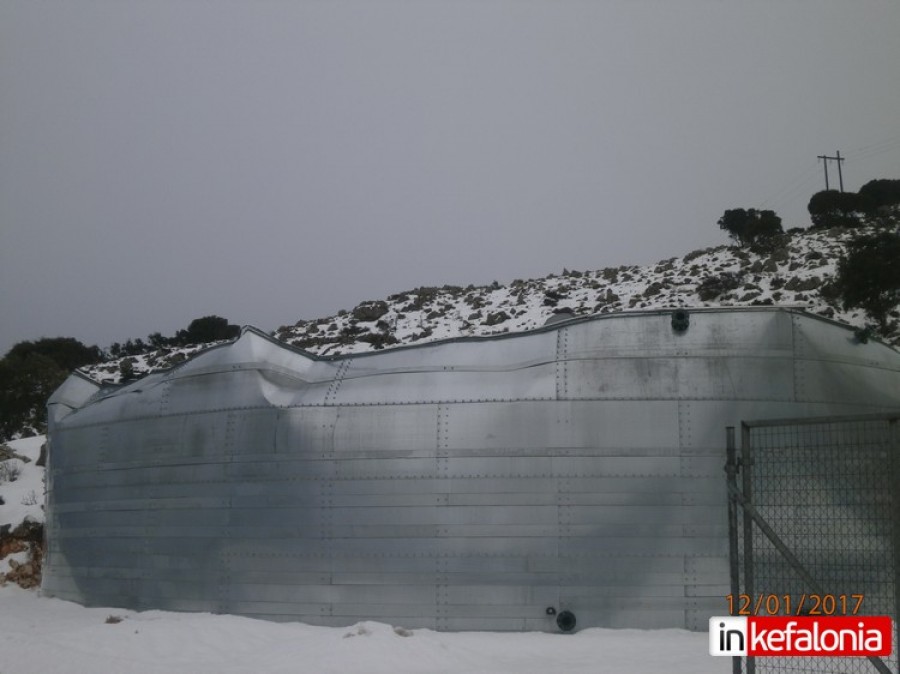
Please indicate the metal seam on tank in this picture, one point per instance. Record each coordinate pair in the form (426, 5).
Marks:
(70, 426)
(587, 355)
(869, 365)
(457, 369)
(796, 348)
(336, 382)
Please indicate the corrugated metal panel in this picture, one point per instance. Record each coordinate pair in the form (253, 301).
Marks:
(470, 484)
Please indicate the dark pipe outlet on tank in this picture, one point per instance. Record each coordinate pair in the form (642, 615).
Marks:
(681, 320)
(565, 621)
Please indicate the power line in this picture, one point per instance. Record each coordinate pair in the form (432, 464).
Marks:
(801, 181)
(890, 140)
(875, 150)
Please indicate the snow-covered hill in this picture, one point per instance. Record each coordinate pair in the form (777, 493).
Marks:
(791, 274)
(796, 271)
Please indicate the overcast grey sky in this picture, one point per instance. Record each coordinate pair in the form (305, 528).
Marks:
(271, 161)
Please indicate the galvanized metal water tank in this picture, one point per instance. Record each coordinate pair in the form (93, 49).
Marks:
(485, 483)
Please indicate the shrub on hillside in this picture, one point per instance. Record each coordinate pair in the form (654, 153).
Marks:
(67, 352)
(830, 208)
(207, 329)
(869, 277)
(29, 373)
(713, 286)
(879, 193)
(774, 245)
(368, 312)
(749, 226)
(132, 347)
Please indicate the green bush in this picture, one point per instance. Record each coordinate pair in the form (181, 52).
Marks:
(830, 208)
(207, 329)
(712, 287)
(29, 373)
(869, 277)
(750, 226)
(879, 193)
(67, 352)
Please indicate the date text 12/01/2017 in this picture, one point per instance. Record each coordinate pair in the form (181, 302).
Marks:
(787, 604)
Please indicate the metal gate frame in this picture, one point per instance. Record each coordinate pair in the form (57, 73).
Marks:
(743, 515)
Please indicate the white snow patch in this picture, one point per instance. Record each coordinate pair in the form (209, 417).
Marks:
(39, 635)
(23, 497)
(6, 562)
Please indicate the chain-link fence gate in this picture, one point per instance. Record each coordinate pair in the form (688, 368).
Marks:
(814, 527)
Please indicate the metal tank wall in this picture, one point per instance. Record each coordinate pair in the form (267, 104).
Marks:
(483, 483)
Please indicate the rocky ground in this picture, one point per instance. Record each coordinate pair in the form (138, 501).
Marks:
(27, 540)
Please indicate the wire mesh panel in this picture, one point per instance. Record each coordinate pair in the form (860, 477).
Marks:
(828, 490)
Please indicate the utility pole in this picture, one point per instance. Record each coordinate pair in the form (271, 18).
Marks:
(840, 175)
(838, 158)
(825, 163)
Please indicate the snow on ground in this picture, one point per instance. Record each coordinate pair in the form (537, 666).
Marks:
(39, 635)
(24, 496)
